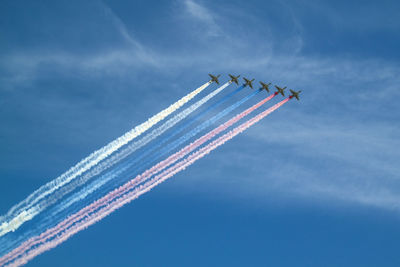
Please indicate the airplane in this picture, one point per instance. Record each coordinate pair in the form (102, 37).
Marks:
(280, 90)
(214, 78)
(234, 79)
(248, 82)
(265, 86)
(295, 94)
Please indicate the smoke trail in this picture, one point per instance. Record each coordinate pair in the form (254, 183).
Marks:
(127, 166)
(52, 199)
(22, 212)
(83, 193)
(110, 204)
(183, 152)
(170, 160)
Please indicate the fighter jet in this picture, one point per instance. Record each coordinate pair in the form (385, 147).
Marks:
(214, 78)
(248, 82)
(280, 90)
(234, 79)
(295, 94)
(265, 86)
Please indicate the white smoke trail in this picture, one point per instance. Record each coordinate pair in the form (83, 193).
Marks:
(23, 211)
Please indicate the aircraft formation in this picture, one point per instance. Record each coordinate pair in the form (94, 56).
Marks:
(264, 86)
(131, 165)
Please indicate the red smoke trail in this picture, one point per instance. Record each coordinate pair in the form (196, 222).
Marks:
(112, 204)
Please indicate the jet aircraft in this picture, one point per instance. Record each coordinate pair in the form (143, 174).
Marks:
(295, 94)
(280, 90)
(248, 82)
(264, 86)
(234, 79)
(214, 78)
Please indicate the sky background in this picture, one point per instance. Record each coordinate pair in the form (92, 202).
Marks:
(315, 184)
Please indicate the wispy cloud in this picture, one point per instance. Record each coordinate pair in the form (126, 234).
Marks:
(199, 12)
(140, 52)
(121, 27)
(320, 157)
(202, 14)
(339, 131)
(354, 18)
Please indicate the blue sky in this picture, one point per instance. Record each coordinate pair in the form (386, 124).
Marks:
(315, 184)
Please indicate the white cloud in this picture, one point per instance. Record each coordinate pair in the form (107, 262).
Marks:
(201, 13)
(364, 147)
(140, 52)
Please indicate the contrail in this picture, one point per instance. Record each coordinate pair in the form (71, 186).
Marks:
(52, 199)
(99, 182)
(23, 211)
(170, 160)
(127, 166)
(60, 232)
